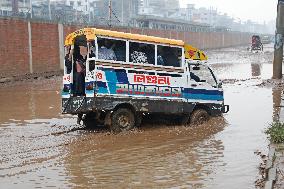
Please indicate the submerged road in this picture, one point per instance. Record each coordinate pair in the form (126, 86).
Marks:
(40, 148)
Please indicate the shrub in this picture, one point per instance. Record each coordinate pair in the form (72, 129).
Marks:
(275, 132)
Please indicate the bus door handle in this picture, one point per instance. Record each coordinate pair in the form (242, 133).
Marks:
(193, 85)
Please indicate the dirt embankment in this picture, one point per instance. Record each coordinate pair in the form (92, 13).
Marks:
(7, 81)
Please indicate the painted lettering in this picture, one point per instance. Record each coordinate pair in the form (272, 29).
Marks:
(139, 78)
(152, 79)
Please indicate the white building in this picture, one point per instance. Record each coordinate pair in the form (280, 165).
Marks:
(23, 6)
(206, 16)
(85, 6)
(158, 7)
(79, 5)
(184, 13)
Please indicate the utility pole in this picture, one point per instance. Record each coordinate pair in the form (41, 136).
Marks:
(31, 8)
(49, 10)
(89, 13)
(122, 12)
(110, 12)
(278, 46)
(76, 12)
(15, 7)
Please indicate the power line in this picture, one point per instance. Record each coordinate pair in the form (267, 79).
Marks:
(115, 16)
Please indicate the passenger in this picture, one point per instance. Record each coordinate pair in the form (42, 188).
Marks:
(160, 60)
(137, 56)
(80, 71)
(150, 53)
(105, 51)
(120, 50)
(170, 57)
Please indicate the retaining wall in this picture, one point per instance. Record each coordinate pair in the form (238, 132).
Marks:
(33, 47)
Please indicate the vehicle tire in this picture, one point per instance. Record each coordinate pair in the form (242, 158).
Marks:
(198, 117)
(122, 119)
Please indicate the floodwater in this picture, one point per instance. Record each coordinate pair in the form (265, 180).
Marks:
(40, 148)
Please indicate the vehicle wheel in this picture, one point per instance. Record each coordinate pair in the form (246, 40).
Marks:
(122, 119)
(198, 117)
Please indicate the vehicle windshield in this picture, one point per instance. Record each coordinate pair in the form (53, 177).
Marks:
(202, 73)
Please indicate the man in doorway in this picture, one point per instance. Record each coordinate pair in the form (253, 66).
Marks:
(80, 69)
(79, 73)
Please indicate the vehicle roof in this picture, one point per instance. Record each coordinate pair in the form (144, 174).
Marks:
(91, 33)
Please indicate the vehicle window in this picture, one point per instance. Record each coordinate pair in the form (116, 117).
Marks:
(68, 59)
(111, 49)
(142, 53)
(169, 56)
(92, 47)
(202, 73)
(92, 65)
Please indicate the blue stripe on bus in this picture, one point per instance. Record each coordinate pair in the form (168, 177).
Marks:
(101, 87)
(203, 97)
(122, 77)
(102, 90)
(112, 80)
(202, 91)
(101, 84)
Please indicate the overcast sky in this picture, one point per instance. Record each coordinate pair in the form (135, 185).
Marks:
(256, 10)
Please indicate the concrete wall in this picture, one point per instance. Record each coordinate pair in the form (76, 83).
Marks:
(14, 47)
(33, 47)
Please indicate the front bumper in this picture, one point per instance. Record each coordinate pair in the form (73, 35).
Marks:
(225, 108)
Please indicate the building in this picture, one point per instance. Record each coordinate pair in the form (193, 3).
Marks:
(153, 22)
(19, 7)
(223, 20)
(14, 7)
(80, 5)
(201, 15)
(122, 11)
(161, 8)
(184, 13)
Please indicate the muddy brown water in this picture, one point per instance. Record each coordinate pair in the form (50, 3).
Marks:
(40, 148)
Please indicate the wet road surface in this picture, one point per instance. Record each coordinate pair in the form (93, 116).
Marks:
(40, 148)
